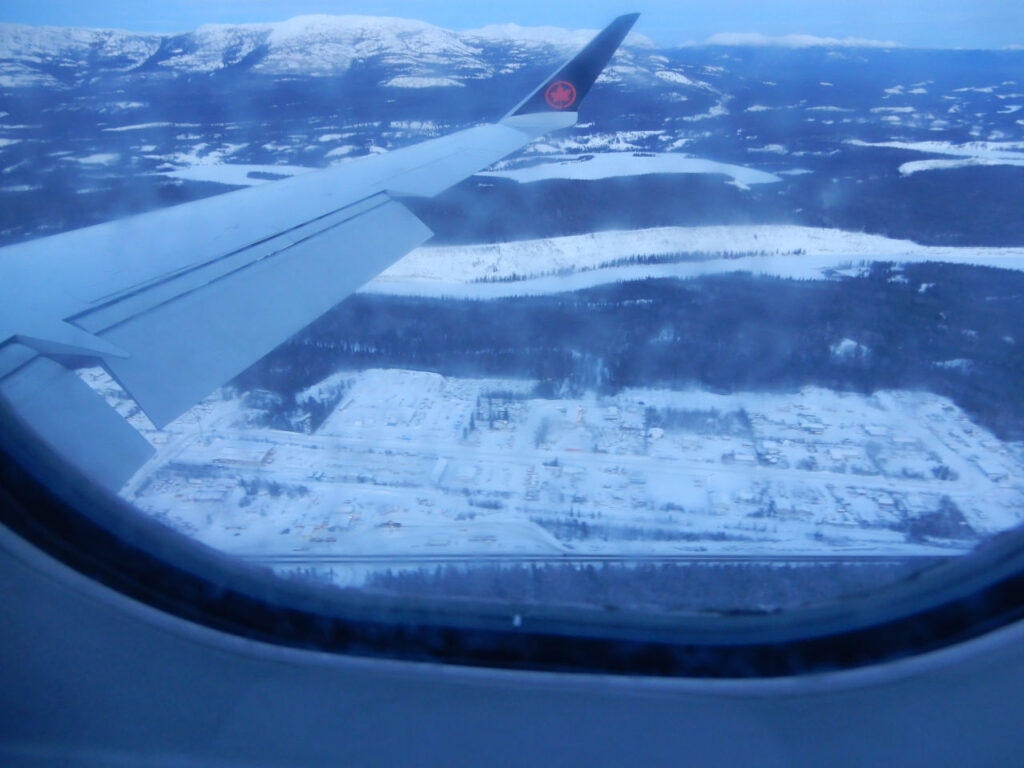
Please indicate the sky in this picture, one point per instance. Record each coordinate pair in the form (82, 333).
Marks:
(915, 23)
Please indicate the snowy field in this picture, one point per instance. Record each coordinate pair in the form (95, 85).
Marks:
(575, 262)
(610, 164)
(418, 464)
(971, 154)
(236, 174)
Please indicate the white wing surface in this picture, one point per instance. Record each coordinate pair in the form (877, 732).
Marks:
(177, 301)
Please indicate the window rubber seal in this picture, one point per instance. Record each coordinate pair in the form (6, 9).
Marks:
(50, 505)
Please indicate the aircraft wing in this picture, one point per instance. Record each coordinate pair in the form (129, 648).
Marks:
(175, 302)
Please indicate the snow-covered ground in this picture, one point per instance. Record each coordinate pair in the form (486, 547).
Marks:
(146, 126)
(607, 164)
(571, 263)
(412, 463)
(409, 81)
(236, 174)
(970, 154)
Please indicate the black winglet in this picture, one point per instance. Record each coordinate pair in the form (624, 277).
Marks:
(564, 90)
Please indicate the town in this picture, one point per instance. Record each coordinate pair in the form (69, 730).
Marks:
(412, 464)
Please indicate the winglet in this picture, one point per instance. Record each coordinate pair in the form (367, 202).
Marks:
(565, 89)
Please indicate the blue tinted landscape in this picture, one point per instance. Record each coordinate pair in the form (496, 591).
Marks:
(762, 302)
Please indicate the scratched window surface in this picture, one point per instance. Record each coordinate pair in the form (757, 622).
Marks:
(745, 337)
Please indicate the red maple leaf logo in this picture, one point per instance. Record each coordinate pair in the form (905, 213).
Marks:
(560, 95)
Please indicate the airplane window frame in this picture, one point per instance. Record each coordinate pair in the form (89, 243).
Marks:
(48, 503)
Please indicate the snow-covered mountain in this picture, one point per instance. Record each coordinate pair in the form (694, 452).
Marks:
(304, 45)
(55, 56)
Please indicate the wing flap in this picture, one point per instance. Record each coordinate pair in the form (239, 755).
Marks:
(66, 413)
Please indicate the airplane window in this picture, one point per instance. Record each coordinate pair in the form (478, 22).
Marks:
(742, 340)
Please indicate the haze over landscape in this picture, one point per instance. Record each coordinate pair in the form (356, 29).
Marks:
(762, 302)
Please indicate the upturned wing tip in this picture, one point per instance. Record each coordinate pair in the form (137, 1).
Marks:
(565, 89)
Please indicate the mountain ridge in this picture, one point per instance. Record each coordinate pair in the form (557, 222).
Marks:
(305, 44)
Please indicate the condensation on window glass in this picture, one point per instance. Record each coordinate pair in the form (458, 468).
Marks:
(747, 337)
